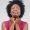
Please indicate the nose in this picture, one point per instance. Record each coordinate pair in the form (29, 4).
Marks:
(15, 9)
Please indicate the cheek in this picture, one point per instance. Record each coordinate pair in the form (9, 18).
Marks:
(19, 12)
(12, 11)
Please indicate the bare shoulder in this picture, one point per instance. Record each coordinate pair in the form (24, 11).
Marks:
(26, 26)
(3, 25)
(5, 22)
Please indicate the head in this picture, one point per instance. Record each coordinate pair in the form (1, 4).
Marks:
(15, 8)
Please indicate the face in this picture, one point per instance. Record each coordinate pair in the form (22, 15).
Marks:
(15, 10)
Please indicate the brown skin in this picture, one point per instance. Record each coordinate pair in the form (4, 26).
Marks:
(15, 12)
(13, 23)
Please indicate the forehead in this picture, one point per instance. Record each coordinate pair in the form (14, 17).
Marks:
(15, 5)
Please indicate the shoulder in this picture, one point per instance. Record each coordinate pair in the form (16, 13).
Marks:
(23, 24)
(6, 22)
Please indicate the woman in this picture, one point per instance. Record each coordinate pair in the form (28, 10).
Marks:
(15, 10)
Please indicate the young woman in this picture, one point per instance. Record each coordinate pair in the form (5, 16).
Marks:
(15, 10)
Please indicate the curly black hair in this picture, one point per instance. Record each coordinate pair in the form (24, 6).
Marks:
(12, 3)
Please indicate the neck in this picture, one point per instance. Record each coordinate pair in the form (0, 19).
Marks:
(16, 17)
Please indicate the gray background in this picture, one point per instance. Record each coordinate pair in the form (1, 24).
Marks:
(3, 13)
